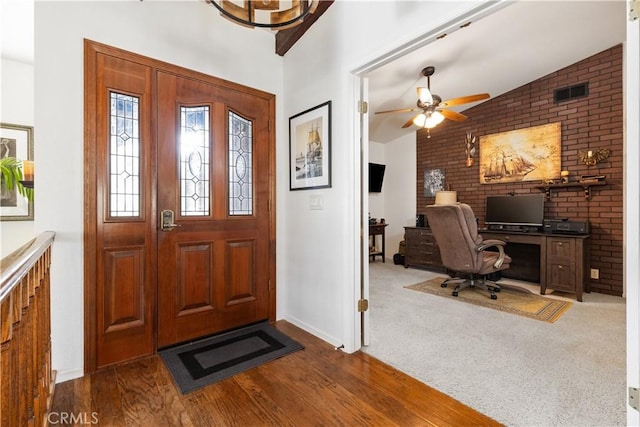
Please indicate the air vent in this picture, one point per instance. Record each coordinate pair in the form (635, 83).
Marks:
(571, 92)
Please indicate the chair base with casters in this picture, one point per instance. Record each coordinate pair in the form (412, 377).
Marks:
(468, 257)
(474, 281)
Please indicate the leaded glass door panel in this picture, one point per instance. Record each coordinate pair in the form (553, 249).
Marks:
(213, 198)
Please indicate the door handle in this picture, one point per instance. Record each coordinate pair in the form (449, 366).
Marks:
(166, 220)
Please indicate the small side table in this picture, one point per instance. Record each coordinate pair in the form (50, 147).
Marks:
(376, 230)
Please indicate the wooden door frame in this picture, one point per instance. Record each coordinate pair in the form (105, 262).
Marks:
(91, 203)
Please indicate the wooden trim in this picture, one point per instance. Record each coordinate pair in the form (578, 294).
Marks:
(175, 69)
(272, 210)
(92, 204)
(90, 207)
(285, 39)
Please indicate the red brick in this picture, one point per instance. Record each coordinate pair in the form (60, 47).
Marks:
(588, 123)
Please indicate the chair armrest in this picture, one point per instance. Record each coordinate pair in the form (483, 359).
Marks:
(493, 243)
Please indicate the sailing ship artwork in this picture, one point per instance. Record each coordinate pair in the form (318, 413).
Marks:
(309, 157)
(310, 148)
(531, 154)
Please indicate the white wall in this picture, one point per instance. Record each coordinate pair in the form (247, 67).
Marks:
(400, 199)
(377, 200)
(190, 34)
(321, 273)
(16, 90)
(397, 201)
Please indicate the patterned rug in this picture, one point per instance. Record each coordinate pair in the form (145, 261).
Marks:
(200, 363)
(510, 300)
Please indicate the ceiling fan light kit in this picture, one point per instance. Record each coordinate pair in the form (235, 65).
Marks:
(430, 106)
(424, 95)
(428, 120)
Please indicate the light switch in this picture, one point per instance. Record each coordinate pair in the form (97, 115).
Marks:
(316, 202)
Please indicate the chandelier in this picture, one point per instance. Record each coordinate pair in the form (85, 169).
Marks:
(274, 14)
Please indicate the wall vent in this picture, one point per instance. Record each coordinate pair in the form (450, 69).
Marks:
(571, 92)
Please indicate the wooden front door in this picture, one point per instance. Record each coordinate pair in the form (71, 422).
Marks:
(213, 190)
(179, 187)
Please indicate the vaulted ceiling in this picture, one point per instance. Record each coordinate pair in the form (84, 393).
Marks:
(519, 43)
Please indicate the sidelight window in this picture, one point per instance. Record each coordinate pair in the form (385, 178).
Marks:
(240, 165)
(124, 156)
(194, 161)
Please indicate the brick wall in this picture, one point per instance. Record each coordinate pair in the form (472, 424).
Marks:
(588, 123)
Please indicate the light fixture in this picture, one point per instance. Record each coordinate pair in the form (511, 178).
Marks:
(593, 157)
(425, 96)
(273, 14)
(429, 119)
(27, 174)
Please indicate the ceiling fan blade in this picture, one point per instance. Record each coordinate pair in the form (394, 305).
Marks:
(453, 115)
(409, 122)
(464, 100)
(401, 110)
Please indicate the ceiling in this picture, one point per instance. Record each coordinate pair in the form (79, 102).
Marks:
(16, 30)
(519, 43)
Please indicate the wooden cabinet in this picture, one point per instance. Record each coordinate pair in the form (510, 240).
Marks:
(566, 265)
(421, 249)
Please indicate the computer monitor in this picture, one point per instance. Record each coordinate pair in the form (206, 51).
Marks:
(513, 211)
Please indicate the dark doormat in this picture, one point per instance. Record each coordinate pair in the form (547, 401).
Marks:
(206, 361)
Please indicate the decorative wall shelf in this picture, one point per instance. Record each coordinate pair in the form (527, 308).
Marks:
(586, 186)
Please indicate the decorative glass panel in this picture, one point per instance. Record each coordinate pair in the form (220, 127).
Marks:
(124, 156)
(194, 161)
(240, 166)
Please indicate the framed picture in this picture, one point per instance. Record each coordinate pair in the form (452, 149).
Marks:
(15, 141)
(310, 148)
(530, 154)
(433, 182)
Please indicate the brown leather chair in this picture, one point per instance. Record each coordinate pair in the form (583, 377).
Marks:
(464, 253)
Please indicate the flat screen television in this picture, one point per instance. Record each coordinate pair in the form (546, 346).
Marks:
(376, 175)
(513, 211)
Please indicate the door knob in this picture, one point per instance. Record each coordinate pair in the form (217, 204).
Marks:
(166, 220)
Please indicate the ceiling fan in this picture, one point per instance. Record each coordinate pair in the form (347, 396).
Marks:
(431, 107)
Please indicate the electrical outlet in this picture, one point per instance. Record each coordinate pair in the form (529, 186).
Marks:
(595, 273)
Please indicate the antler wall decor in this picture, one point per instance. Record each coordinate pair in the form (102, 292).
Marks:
(469, 148)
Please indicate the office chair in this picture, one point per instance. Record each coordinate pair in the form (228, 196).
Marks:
(463, 250)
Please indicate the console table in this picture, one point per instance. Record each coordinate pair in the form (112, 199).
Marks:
(376, 230)
(557, 261)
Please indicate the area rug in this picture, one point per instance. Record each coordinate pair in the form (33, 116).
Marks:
(510, 300)
(200, 363)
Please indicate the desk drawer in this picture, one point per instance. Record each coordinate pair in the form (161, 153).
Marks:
(421, 249)
(376, 229)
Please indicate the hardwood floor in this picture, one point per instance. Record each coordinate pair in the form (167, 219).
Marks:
(317, 386)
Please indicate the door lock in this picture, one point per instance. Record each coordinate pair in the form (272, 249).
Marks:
(166, 220)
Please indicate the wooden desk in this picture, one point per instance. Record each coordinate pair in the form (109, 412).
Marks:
(563, 260)
(376, 230)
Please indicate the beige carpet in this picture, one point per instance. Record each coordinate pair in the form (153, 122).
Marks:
(510, 300)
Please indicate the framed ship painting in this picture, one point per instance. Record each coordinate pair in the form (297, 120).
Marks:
(310, 148)
(531, 154)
